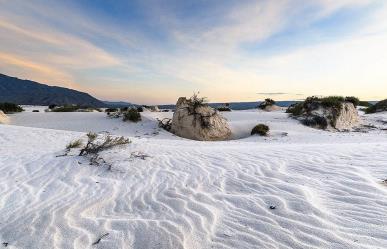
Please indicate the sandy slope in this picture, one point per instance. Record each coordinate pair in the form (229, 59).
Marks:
(326, 187)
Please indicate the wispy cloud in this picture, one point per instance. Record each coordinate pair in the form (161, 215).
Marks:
(171, 49)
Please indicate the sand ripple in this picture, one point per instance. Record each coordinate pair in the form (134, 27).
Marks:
(192, 195)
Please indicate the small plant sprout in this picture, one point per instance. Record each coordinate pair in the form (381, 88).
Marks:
(74, 144)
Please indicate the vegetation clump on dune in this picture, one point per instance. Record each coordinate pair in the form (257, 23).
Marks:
(127, 113)
(109, 110)
(260, 129)
(10, 108)
(72, 108)
(324, 112)
(65, 108)
(74, 144)
(354, 100)
(95, 145)
(365, 103)
(381, 106)
(224, 108)
(132, 115)
(266, 103)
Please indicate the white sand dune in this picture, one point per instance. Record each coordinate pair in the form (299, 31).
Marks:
(326, 188)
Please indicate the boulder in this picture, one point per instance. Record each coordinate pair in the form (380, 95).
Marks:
(3, 118)
(347, 117)
(199, 122)
(341, 116)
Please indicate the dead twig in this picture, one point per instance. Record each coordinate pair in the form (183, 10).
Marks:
(139, 154)
(99, 239)
(165, 123)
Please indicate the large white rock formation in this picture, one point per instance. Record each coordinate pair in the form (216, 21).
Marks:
(200, 122)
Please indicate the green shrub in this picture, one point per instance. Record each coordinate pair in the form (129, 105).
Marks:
(132, 115)
(355, 101)
(10, 108)
(94, 146)
(111, 109)
(195, 101)
(140, 109)
(224, 109)
(316, 122)
(295, 109)
(260, 129)
(74, 144)
(378, 107)
(270, 101)
(267, 102)
(66, 108)
(124, 109)
(332, 101)
(365, 103)
(370, 110)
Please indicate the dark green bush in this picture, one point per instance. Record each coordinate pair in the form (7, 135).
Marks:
(223, 109)
(140, 109)
(195, 101)
(316, 122)
(111, 109)
(270, 101)
(66, 108)
(370, 110)
(260, 129)
(295, 109)
(10, 108)
(267, 102)
(355, 101)
(378, 107)
(365, 103)
(132, 115)
(332, 101)
(74, 144)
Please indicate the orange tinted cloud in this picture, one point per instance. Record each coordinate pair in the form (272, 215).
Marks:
(31, 70)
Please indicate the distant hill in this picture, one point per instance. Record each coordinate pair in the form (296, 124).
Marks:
(117, 104)
(26, 92)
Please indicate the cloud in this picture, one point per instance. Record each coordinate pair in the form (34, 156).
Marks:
(205, 51)
(29, 69)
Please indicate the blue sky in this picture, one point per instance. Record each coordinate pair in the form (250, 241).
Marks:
(153, 51)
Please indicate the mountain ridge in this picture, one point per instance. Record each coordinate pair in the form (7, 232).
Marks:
(28, 92)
